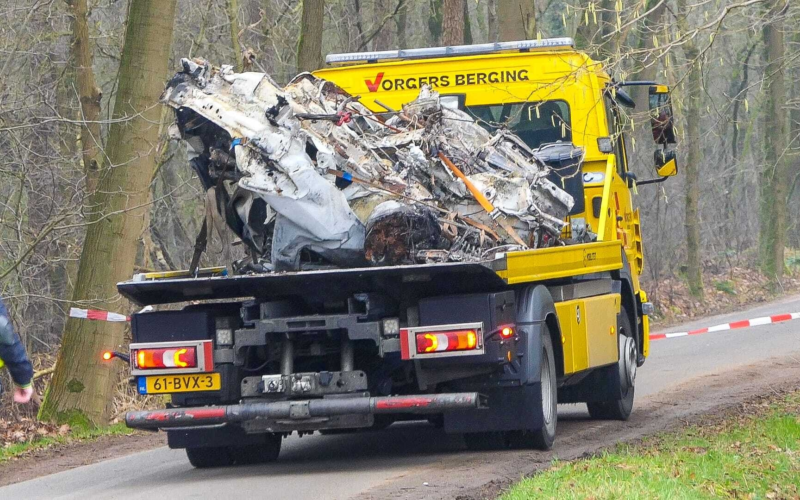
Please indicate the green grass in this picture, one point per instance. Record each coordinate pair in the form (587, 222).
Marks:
(76, 434)
(752, 455)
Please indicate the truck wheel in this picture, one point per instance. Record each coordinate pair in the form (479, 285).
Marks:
(204, 458)
(621, 376)
(260, 453)
(486, 441)
(543, 438)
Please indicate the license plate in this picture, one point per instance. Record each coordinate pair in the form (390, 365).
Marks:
(168, 384)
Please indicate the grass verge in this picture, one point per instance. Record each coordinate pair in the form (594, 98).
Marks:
(754, 453)
(75, 434)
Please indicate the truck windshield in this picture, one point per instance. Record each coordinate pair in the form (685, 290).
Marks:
(536, 123)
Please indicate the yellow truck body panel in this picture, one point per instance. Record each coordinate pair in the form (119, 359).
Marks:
(539, 76)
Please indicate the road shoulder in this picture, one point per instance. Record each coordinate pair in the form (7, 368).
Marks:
(486, 475)
(62, 457)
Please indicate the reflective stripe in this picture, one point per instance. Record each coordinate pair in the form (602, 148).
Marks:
(1, 363)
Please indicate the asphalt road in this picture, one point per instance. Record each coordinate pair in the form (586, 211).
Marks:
(383, 464)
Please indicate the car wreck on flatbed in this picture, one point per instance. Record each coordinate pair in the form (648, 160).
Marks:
(317, 179)
(453, 239)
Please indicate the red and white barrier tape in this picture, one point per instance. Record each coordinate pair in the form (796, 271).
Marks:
(765, 320)
(98, 315)
(94, 314)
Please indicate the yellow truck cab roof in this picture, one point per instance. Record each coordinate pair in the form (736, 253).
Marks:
(532, 71)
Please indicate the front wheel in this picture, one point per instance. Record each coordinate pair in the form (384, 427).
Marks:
(620, 377)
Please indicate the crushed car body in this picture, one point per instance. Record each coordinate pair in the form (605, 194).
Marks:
(308, 177)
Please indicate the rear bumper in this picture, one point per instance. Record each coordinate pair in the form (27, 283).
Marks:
(301, 411)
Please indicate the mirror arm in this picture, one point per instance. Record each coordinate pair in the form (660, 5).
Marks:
(651, 181)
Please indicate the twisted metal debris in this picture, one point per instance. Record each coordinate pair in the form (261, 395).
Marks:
(307, 176)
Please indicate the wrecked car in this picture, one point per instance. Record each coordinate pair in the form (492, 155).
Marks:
(308, 177)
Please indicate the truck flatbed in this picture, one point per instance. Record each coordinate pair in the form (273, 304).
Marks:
(451, 277)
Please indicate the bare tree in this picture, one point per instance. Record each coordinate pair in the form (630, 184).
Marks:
(517, 19)
(775, 174)
(309, 48)
(82, 385)
(693, 94)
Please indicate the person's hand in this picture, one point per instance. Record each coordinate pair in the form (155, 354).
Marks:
(22, 396)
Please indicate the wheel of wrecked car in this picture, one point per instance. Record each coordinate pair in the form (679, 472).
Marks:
(621, 376)
(542, 438)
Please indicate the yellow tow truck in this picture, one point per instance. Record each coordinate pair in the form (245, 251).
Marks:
(487, 349)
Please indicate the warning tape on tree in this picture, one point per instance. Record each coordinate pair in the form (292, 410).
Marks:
(97, 315)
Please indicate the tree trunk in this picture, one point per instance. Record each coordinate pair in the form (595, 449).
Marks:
(401, 21)
(88, 93)
(82, 387)
(452, 22)
(232, 7)
(691, 98)
(383, 34)
(517, 20)
(468, 40)
(309, 48)
(774, 178)
(435, 22)
(652, 27)
(491, 20)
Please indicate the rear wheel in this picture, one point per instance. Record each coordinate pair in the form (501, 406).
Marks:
(203, 458)
(621, 377)
(260, 453)
(544, 437)
(486, 441)
(265, 450)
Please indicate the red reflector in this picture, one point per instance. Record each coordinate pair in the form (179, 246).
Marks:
(175, 357)
(457, 340)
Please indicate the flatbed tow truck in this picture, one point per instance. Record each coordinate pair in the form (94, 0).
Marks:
(487, 349)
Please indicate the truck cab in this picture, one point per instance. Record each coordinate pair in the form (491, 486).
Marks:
(486, 349)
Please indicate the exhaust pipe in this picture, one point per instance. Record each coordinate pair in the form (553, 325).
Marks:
(299, 410)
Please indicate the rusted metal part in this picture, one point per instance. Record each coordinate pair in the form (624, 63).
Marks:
(301, 410)
(395, 232)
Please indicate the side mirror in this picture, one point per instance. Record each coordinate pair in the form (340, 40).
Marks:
(666, 163)
(661, 117)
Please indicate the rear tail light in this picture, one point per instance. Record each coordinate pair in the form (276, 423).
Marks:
(154, 358)
(441, 341)
(460, 340)
(178, 357)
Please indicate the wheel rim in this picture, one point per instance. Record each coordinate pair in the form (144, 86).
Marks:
(547, 391)
(627, 361)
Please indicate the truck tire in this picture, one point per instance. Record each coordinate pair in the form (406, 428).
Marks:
(222, 456)
(544, 437)
(620, 377)
(260, 453)
(486, 441)
(546, 407)
(204, 458)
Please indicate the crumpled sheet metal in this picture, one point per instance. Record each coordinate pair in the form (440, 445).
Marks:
(320, 179)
